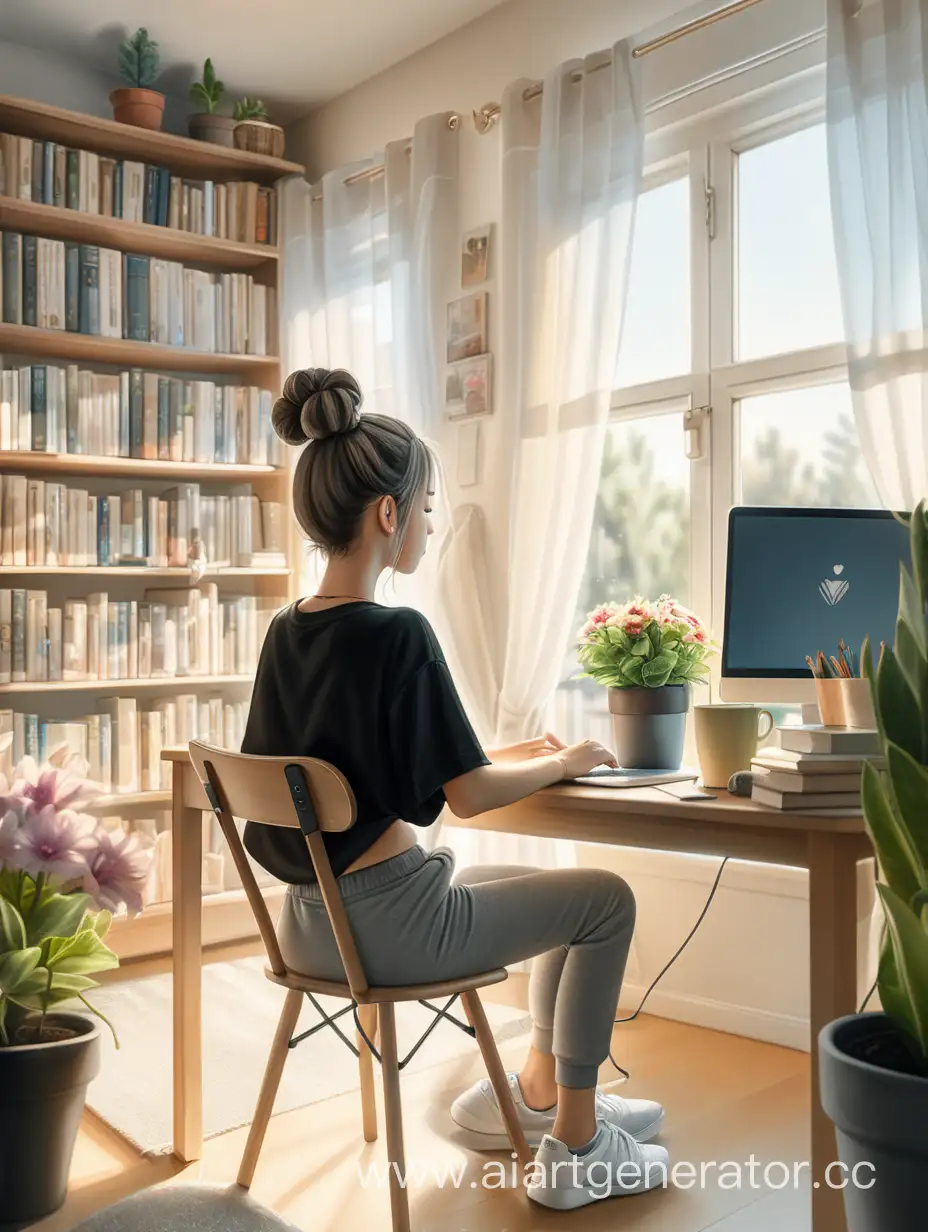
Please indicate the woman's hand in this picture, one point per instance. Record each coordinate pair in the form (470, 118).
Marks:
(525, 750)
(580, 759)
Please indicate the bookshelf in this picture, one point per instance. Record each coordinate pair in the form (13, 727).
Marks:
(226, 914)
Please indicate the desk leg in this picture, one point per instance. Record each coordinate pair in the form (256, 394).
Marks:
(187, 858)
(833, 976)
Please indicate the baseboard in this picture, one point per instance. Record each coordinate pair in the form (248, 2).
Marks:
(784, 1029)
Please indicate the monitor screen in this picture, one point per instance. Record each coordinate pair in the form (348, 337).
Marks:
(800, 580)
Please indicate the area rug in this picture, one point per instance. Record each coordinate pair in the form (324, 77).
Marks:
(240, 1012)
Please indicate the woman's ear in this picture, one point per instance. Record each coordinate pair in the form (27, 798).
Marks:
(386, 515)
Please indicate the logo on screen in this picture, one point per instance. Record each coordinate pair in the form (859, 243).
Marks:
(834, 589)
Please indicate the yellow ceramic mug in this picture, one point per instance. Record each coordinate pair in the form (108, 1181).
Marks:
(726, 740)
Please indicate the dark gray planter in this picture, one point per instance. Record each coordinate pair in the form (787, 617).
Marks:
(42, 1090)
(218, 129)
(881, 1124)
(649, 726)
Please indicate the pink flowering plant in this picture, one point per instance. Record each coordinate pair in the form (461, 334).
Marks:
(62, 875)
(643, 644)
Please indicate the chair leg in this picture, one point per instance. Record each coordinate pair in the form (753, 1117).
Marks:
(368, 1017)
(497, 1076)
(393, 1110)
(275, 1067)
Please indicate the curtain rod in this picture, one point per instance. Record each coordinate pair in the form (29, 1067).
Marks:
(375, 172)
(486, 117)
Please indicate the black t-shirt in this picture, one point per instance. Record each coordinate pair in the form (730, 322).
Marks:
(365, 688)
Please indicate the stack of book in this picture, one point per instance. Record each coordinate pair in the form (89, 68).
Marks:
(56, 284)
(52, 408)
(51, 174)
(815, 769)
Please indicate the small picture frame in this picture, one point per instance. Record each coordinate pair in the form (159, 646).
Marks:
(467, 327)
(468, 389)
(475, 257)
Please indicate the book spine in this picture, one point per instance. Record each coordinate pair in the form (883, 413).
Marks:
(6, 636)
(12, 278)
(18, 636)
(164, 196)
(150, 208)
(117, 189)
(136, 298)
(74, 180)
(48, 172)
(39, 408)
(60, 182)
(38, 172)
(136, 414)
(30, 276)
(164, 430)
(72, 288)
(89, 306)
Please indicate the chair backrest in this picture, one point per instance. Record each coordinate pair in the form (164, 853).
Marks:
(299, 793)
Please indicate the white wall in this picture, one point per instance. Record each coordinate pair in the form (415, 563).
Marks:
(747, 970)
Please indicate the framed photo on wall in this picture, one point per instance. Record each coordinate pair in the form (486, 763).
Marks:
(468, 392)
(475, 257)
(467, 327)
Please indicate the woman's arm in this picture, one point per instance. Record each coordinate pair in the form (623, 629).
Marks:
(541, 746)
(490, 787)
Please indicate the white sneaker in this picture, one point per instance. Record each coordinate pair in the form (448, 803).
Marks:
(614, 1167)
(477, 1113)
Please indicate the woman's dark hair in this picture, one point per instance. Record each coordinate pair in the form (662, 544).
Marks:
(351, 459)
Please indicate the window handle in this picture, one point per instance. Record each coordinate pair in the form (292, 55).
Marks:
(694, 421)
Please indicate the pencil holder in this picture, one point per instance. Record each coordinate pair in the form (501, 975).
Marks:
(857, 701)
(830, 697)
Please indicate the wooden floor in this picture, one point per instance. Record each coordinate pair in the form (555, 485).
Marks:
(726, 1098)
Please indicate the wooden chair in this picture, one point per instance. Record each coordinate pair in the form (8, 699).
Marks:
(301, 792)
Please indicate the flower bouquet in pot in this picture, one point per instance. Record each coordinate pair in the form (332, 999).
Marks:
(874, 1067)
(62, 875)
(647, 654)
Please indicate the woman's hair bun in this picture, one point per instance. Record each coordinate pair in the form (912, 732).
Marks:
(316, 403)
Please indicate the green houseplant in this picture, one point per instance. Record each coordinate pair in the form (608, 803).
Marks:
(207, 124)
(647, 654)
(874, 1067)
(254, 132)
(139, 67)
(61, 876)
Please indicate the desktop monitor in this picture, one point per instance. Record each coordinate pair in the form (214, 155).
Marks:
(799, 580)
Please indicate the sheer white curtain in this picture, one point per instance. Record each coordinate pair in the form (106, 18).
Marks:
(571, 171)
(877, 118)
(366, 263)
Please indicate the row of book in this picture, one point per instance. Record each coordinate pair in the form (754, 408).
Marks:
(171, 632)
(52, 408)
(52, 174)
(50, 525)
(815, 769)
(122, 739)
(85, 289)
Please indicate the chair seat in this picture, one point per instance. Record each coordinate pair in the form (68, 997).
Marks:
(373, 996)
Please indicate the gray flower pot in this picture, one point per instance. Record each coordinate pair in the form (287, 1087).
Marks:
(881, 1124)
(215, 128)
(649, 726)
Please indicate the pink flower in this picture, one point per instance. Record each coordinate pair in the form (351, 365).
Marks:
(61, 783)
(117, 870)
(53, 843)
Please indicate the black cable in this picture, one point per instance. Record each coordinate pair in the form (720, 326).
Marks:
(661, 974)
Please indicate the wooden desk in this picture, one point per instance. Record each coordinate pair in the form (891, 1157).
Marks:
(829, 847)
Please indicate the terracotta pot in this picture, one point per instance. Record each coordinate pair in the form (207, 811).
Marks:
(141, 108)
(217, 129)
(260, 137)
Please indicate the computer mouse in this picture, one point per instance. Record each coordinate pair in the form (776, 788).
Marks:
(741, 782)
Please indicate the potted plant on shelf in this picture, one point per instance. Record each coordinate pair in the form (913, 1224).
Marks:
(207, 125)
(254, 132)
(874, 1067)
(139, 67)
(647, 654)
(61, 876)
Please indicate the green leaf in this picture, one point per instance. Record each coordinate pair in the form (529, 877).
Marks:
(919, 542)
(631, 670)
(35, 993)
(653, 631)
(641, 646)
(209, 75)
(899, 711)
(911, 609)
(102, 923)
(895, 850)
(910, 789)
(656, 673)
(80, 955)
(910, 946)
(12, 928)
(60, 915)
(16, 967)
(892, 992)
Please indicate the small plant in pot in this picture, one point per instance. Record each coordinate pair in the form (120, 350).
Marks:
(874, 1067)
(208, 125)
(61, 876)
(647, 654)
(254, 132)
(139, 67)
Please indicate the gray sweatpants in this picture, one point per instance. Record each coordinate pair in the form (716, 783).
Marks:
(413, 925)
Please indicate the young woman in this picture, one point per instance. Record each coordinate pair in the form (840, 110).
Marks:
(366, 688)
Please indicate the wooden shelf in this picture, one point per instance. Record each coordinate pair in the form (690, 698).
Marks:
(227, 916)
(137, 571)
(128, 686)
(135, 468)
(195, 159)
(130, 800)
(54, 222)
(123, 352)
